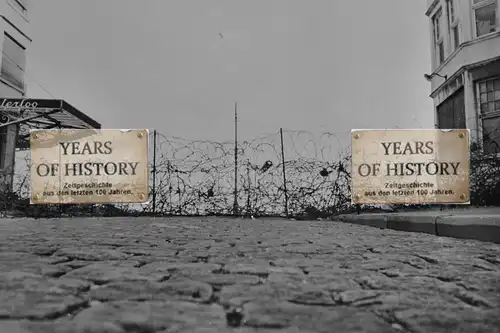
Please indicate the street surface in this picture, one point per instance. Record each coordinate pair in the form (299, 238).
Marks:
(189, 275)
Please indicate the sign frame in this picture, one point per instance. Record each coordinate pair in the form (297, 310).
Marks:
(98, 177)
(436, 189)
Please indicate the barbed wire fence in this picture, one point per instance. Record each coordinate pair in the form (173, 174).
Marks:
(287, 173)
(197, 177)
(305, 174)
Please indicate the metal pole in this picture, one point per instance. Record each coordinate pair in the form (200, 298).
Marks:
(154, 171)
(179, 204)
(284, 172)
(235, 205)
(248, 188)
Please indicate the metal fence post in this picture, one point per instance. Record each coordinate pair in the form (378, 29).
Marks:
(154, 172)
(235, 204)
(284, 172)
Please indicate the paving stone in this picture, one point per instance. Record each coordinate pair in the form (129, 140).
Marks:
(105, 272)
(26, 295)
(333, 282)
(92, 254)
(220, 280)
(287, 278)
(37, 305)
(441, 321)
(25, 326)
(26, 262)
(73, 264)
(260, 270)
(180, 269)
(131, 275)
(148, 317)
(313, 295)
(194, 291)
(357, 297)
(320, 319)
(237, 295)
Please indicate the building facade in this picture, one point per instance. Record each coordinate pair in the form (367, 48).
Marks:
(465, 78)
(15, 40)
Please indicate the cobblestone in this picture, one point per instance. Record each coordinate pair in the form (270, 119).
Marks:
(159, 275)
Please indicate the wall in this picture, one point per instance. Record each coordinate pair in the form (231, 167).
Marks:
(469, 53)
(17, 25)
(471, 50)
(7, 159)
(19, 20)
(473, 105)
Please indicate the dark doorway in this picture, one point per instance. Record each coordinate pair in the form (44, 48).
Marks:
(451, 113)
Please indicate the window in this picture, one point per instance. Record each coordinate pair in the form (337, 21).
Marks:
(451, 113)
(489, 96)
(13, 61)
(485, 16)
(453, 25)
(489, 103)
(438, 36)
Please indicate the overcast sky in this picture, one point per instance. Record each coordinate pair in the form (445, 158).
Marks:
(179, 65)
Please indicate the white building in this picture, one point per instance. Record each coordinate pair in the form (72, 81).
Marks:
(14, 29)
(465, 78)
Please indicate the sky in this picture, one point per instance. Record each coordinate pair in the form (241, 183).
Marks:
(178, 66)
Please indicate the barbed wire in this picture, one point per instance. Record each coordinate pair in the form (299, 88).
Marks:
(197, 176)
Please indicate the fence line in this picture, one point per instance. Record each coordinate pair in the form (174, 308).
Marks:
(197, 177)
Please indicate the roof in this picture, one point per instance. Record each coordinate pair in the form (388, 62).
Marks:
(460, 71)
(42, 113)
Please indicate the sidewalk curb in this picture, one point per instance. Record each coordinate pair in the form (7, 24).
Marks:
(378, 221)
(422, 224)
(482, 227)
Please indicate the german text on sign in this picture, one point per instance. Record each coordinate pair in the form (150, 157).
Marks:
(83, 166)
(410, 166)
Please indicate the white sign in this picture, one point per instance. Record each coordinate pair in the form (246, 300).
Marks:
(81, 166)
(410, 166)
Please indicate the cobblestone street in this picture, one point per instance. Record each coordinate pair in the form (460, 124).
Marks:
(146, 275)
